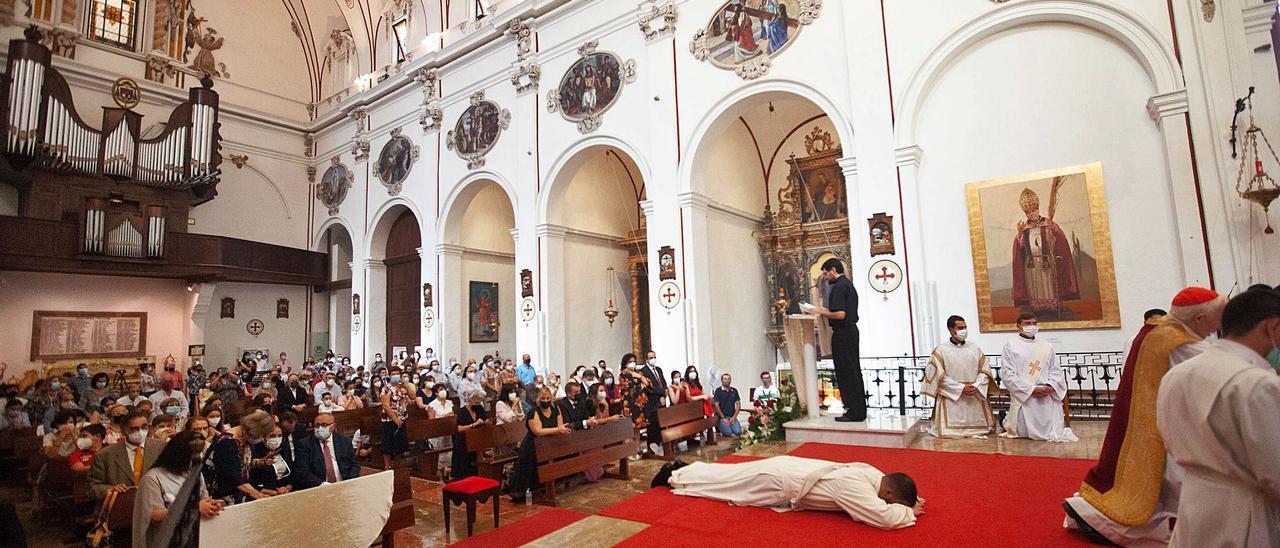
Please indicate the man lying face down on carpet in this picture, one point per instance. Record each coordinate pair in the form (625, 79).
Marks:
(792, 483)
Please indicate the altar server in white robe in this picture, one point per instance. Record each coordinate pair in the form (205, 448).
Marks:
(789, 483)
(1036, 386)
(1219, 415)
(958, 379)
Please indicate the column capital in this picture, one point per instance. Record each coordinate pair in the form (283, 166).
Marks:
(849, 166)
(547, 230)
(449, 249)
(693, 200)
(1167, 104)
(423, 252)
(908, 156)
(648, 207)
(515, 234)
(371, 264)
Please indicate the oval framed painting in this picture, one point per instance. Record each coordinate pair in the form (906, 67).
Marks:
(745, 35)
(590, 87)
(477, 130)
(395, 161)
(332, 189)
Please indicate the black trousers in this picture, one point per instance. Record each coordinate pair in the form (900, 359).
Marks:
(844, 352)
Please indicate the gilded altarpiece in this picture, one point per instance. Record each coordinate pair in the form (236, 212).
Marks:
(809, 226)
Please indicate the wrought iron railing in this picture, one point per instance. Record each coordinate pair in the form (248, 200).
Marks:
(896, 382)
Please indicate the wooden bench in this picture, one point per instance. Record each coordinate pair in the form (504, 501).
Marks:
(402, 514)
(682, 422)
(495, 446)
(564, 455)
(347, 422)
(419, 428)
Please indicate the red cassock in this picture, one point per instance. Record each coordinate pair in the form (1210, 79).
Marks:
(1065, 275)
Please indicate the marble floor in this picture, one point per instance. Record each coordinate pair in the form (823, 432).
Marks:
(592, 498)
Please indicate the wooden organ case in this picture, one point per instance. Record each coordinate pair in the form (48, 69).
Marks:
(126, 192)
(810, 226)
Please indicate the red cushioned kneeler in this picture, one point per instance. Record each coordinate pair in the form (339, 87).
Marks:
(470, 491)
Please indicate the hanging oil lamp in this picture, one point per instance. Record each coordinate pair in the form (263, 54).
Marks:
(610, 311)
(1252, 182)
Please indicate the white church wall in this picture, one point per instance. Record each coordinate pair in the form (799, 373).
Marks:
(22, 293)
(738, 289)
(589, 336)
(500, 269)
(1065, 124)
(224, 337)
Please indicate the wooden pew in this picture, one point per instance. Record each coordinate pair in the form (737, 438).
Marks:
(682, 422)
(419, 428)
(347, 422)
(495, 446)
(402, 514)
(564, 455)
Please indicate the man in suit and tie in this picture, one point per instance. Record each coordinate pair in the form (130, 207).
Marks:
(657, 392)
(576, 410)
(120, 466)
(325, 457)
(293, 396)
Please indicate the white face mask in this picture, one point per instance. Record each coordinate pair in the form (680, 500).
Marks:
(274, 443)
(138, 438)
(84, 443)
(962, 334)
(693, 376)
(652, 361)
(1030, 330)
(431, 384)
(513, 397)
(214, 421)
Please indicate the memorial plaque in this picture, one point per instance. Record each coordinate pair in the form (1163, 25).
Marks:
(59, 335)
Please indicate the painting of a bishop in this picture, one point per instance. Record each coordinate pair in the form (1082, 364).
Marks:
(1043, 273)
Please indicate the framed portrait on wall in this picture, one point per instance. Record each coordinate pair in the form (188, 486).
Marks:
(880, 231)
(1042, 243)
(282, 308)
(228, 308)
(483, 312)
(526, 283)
(666, 263)
(427, 298)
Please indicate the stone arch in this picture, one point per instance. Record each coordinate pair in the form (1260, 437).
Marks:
(571, 160)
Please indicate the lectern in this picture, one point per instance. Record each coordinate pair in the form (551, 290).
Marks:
(802, 352)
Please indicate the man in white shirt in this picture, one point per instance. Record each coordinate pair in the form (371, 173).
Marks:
(134, 396)
(958, 380)
(765, 393)
(168, 390)
(328, 386)
(1036, 386)
(1219, 413)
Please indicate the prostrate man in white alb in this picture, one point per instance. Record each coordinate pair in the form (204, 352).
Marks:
(1036, 386)
(789, 483)
(1219, 413)
(958, 380)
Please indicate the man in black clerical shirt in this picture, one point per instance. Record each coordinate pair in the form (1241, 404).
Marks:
(842, 313)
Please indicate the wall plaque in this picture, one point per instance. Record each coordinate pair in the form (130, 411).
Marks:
(57, 335)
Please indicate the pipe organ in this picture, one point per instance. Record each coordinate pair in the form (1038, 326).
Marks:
(42, 128)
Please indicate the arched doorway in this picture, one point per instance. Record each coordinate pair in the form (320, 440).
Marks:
(331, 303)
(478, 279)
(602, 263)
(404, 278)
(777, 205)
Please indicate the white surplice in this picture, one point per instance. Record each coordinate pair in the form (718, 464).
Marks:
(1219, 415)
(950, 368)
(1029, 363)
(792, 483)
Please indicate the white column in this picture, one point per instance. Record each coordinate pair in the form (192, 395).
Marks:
(451, 303)
(697, 308)
(552, 313)
(911, 237)
(359, 349)
(1169, 111)
(373, 308)
(529, 337)
(427, 274)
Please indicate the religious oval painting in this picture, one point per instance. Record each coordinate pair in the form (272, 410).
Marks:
(590, 86)
(477, 130)
(745, 35)
(333, 186)
(395, 160)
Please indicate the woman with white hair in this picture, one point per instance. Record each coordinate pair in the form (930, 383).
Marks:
(232, 458)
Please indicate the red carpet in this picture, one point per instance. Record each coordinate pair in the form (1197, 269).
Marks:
(973, 499)
(525, 530)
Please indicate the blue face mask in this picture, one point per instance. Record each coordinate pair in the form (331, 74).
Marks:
(322, 432)
(173, 410)
(1274, 358)
(395, 379)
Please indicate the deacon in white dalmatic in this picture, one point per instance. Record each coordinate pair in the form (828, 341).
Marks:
(789, 483)
(1036, 386)
(1219, 415)
(958, 380)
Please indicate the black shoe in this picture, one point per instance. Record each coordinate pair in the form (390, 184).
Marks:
(1089, 533)
(849, 418)
(663, 477)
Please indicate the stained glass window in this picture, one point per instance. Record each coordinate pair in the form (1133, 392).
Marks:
(400, 32)
(114, 22)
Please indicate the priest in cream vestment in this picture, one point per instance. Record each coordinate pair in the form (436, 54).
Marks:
(1036, 387)
(1219, 415)
(789, 483)
(958, 379)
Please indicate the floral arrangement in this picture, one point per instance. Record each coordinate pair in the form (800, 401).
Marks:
(767, 426)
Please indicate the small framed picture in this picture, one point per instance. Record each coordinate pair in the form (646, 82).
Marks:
(880, 232)
(666, 263)
(282, 308)
(228, 307)
(195, 350)
(426, 295)
(526, 283)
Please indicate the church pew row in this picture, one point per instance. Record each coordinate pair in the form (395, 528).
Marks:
(495, 446)
(420, 429)
(683, 422)
(565, 455)
(402, 515)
